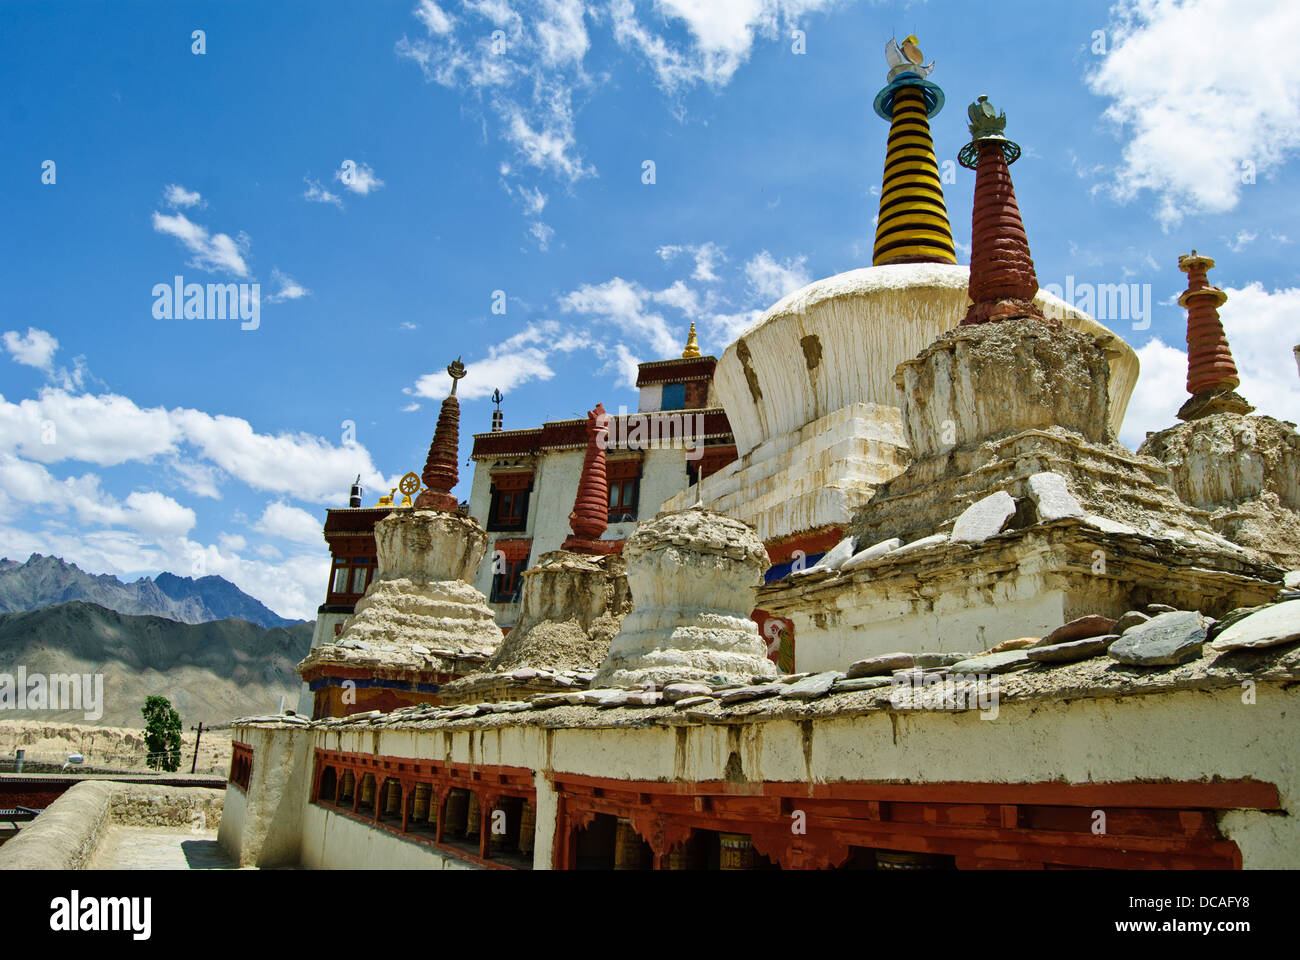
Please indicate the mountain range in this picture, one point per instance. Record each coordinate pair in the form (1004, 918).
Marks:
(45, 581)
(213, 671)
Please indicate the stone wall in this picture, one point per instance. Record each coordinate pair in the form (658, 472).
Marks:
(1126, 734)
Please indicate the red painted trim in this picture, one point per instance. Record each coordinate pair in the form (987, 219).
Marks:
(981, 825)
(810, 542)
(1218, 795)
(490, 783)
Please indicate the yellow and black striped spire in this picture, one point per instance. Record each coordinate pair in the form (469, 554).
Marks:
(913, 225)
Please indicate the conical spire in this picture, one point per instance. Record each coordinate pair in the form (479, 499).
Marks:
(1211, 373)
(692, 345)
(1002, 278)
(590, 514)
(913, 224)
(440, 473)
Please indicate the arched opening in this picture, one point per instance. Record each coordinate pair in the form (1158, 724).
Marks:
(596, 844)
(329, 786)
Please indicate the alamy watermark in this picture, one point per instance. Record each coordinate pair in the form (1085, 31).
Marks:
(651, 431)
(955, 691)
(179, 300)
(1103, 301)
(56, 691)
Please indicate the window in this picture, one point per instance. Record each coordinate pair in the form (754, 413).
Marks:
(508, 509)
(508, 584)
(359, 579)
(511, 508)
(674, 396)
(340, 580)
(622, 499)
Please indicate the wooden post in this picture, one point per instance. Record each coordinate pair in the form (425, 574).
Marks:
(197, 738)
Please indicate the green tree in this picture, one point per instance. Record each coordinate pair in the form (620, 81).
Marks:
(162, 734)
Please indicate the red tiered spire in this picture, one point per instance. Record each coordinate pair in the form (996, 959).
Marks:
(440, 473)
(591, 506)
(1211, 374)
(1209, 361)
(1002, 278)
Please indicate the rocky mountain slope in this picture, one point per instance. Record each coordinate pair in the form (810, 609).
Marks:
(213, 671)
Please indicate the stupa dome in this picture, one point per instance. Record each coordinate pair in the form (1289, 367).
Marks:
(838, 341)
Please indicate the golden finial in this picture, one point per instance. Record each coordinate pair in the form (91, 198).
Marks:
(388, 500)
(457, 371)
(692, 347)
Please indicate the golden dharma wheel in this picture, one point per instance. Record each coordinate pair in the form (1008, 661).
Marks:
(409, 484)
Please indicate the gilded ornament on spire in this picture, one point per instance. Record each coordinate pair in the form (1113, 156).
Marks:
(692, 345)
(913, 223)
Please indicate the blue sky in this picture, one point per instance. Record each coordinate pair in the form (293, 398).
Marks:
(381, 169)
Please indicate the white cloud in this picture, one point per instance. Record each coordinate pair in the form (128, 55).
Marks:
(232, 542)
(279, 519)
(36, 349)
(212, 252)
(621, 305)
(434, 18)
(561, 33)
(542, 233)
(1243, 239)
(522, 66)
(290, 289)
(174, 195)
(318, 194)
(358, 178)
(725, 328)
(1261, 328)
(627, 366)
(722, 34)
(707, 257)
(680, 296)
(772, 280)
(144, 511)
(1204, 92)
(109, 430)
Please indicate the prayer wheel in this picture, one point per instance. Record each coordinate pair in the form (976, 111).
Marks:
(367, 798)
(349, 787)
(420, 808)
(457, 811)
(736, 852)
(629, 851)
(393, 798)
